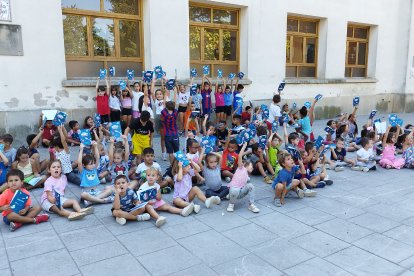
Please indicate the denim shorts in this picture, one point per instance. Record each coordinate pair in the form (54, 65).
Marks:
(172, 144)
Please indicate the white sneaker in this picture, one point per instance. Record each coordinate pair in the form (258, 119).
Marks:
(87, 210)
(121, 221)
(76, 216)
(164, 156)
(208, 202)
(230, 208)
(143, 217)
(228, 179)
(215, 200)
(365, 169)
(356, 168)
(309, 193)
(339, 169)
(248, 180)
(160, 221)
(253, 208)
(228, 196)
(197, 208)
(187, 210)
(300, 193)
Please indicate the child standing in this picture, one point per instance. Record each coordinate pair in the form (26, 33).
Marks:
(365, 156)
(228, 100)
(126, 104)
(206, 96)
(57, 183)
(143, 130)
(219, 95)
(115, 105)
(29, 214)
(238, 186)
(169, 120)
(183, 101)
(102, 101)
(238, 99)
(212, 177)
(388, 159)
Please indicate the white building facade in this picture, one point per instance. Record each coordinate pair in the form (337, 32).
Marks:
(340, 49)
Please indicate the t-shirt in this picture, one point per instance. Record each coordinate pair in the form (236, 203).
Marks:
(193, 156)
(339, 154)
(169, 122)
(89, 178)
(365, 154)
(48, 133)
(212, 178)
(183, 98)
(206, 98)
(118, 169)
(74, 135)
(408, 156)
(197, 99)
(245, 116)
(114, 102)
(305, 124)
(135, 99)
(102, 104)
(222, 135)
(274, 111)
(11, 155)
(142, 168)
(240, 178)
(7, 196)
(103, 163)
(273, 151)
(192, 124)
(145, 186)
(183, 187)
(54, 184)
(3, 172)
(127, 202)
(228, 99)
(159, 105)
(64, 158)
(285, 176)
(229, 160)
(219, 99)
(141, 129)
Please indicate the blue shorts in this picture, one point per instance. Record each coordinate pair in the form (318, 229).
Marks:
(6, 220)
(206, 111)
(172, 144)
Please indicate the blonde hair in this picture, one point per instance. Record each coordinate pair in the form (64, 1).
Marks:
(152, 170)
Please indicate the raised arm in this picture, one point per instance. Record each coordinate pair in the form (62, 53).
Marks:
(108, 87)
(97, 85)
(180, 172)
(311, 111)
(63, 138)
(384, 138)
(126, 145)
(204, 123)
(285, 133)
(96, 152)
(35, 140)
(227, 139)
(111, 150)
(80, 155)
(241, 153)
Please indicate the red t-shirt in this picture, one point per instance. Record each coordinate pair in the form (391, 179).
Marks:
(7, 196)
(245, 116)
(102, 104)
(229, 161)
(48, 133)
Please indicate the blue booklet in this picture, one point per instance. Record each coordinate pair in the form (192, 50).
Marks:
(281, 86)
(97, 119)
(85, 137)
(329, 130)
(240, 75)
(318, 142)
(195, 114)
(18, 201)
(193, 90)
(122, 85)
(399, 121)
(294, 152)
(115, 130)
(265, 111)
(392, 119)
(275, 126)
(355, 101)
(206, 70)
(294, 106)
(112, 71)
(148, 194)
(170, 84)
(1, 147)
(318, 97)
(231, 76)
(326, 148)
(60, 118)
(372, 114)
(263, 141)
(219, 73)
(57, 197)
(102, 73)
(148, 76)
(181, 157)
(130, 74)
(307, 105)
(286, 118)
(158, 72)
(193, 72)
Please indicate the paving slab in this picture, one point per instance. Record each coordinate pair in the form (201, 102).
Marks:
(343, 230)
(316, 267)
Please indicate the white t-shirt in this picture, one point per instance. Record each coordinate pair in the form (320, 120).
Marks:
(193, 156)
(274, 111)
(183, 97)
(159, 105)
(135, 99)
(365, 154)
(142, 168)
(149, 109)
(114, 103)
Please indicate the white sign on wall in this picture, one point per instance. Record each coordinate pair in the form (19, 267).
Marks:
(5, 12)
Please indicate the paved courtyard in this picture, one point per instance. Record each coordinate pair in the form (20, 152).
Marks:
(361, 225)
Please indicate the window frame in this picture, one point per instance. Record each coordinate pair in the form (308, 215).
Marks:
(116, 17)
(305, 36)
(215, 64)
(357, 41)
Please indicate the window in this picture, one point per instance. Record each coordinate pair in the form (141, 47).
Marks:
(214, 38)
(100, 34)
(356, 51)
(301, 48)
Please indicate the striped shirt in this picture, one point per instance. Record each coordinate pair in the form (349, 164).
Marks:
(169, 122)
(206, 98)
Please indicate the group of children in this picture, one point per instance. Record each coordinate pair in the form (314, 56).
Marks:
(213, 151)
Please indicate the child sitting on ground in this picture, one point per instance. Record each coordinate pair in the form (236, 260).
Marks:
(388, 159)
(406, 141)
(285, 181)
(338, 157)
(229, 158)
(272, 150)
(29, 214)
(48, 131)
(212, 176)
(140, 172)
(57, 183)
(33, 143)
(238, 187)
(315, 175)
(365, 156)
(26, 165)
(261, 164)
(125, 203)
(73, 136)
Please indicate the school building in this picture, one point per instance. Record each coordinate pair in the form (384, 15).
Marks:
(51, 51)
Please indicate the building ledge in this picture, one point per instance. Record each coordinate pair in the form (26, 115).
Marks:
(330, 81)
(91, 82)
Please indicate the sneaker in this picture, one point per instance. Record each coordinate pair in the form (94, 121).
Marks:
(164, 156)
(14, 226)
(103, 181)
(300, 193)
(365, 169)
(267, 180)
(320, 184)
(278, 203)
(76, 216)
(86, 203)
(208, 202)
(215, 200)
(166, 190)
(230, 208)
(87, 210)
(160, 221)
(273, 177)
(228, 196)
(339, 169)
(41, 218)
(109, 199)
(187, 210)
(331, 167)
(143, 217)
(356, 168)
(253, 208)
(197, 208)
(228, 179)
(328, 182)
(309, 192)
(121, 221)
(374, 168)
(248, 180)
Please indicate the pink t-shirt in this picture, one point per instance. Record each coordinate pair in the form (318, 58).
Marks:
(54, 184)
(183, 187)
(239, 179)
(219, 99)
